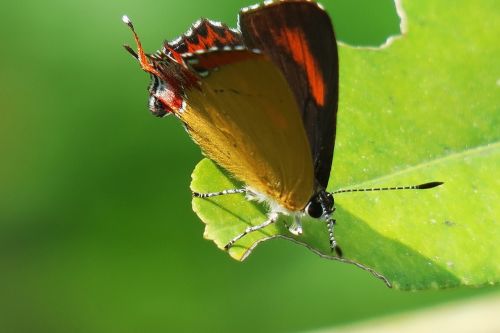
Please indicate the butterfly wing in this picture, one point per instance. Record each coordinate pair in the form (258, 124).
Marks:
(205, 34)
(244, 117)
(298, 37)
(238, 106)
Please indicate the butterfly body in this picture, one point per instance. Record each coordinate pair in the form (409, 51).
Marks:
(261, 106)
(260, 101)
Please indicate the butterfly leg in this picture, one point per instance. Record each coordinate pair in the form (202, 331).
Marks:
(273, 217)
(296, 227)
(330, 223)
(215, 194)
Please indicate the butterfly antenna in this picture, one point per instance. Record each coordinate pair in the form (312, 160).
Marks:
(412, 187)
(140, 55)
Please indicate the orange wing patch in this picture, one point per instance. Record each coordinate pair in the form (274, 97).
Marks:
(204, 35)
(294, 41)
(211, 38)
(246, 119)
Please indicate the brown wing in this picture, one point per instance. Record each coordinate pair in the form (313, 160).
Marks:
(246, 119)
(298, 36)
(205, 34)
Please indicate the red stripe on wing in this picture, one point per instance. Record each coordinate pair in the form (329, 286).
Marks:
(204, 35)
(293, 41)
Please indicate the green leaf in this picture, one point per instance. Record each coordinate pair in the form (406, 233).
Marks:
(423, 108)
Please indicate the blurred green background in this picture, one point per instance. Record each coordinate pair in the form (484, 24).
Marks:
(96, 228)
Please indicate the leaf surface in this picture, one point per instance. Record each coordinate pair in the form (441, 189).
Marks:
(423, 108)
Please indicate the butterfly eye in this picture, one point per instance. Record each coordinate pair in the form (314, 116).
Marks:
(156, 107)
(314, 209)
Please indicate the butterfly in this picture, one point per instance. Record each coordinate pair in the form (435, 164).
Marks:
(261, 101)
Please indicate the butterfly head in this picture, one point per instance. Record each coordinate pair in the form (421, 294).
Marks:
(320, 204)
(156, 103)
(169, 76)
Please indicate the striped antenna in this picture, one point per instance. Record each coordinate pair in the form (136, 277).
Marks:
(412, 187)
